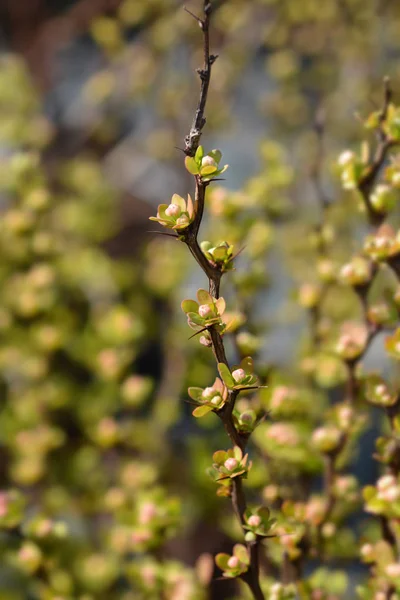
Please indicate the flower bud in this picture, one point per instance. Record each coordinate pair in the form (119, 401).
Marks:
(238, 375)
(204, 341)
(326, 438)
(233, 562)
(383, 198)
(208, 161)
(231, 464)
(205, 310)
(173, 210)
(254, 520)
(393, 570)
(346, 158)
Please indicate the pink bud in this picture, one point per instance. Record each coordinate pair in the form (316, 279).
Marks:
(204, 341)
(346, 158)
(233, 562)
(204, 310)
(254, 520)
(208, 393)
(173, 210)
(208, 161)
(147, 512)
(393, 570)
(238, 375)
(231, 464)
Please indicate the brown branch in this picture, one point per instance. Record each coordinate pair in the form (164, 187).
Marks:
(367, 182)
(193, 138)
(214, 274)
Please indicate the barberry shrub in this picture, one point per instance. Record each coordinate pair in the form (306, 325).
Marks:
(94, 484)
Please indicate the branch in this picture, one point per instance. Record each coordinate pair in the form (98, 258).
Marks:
(192, 140)
(384, 144)
(214, 274)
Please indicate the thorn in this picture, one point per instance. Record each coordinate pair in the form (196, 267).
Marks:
(197, 333)
(213, 58)
(195, 17)
(181, 149)
(162, 233)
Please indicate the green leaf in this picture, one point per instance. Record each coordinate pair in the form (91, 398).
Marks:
(189, 306)
(205, 246)
(226, 375)
(220, 456)
(247, 364)
(200, 411)
(199, 154)
(208, 170)
(195, 318)
(191, 165)
(216, 155)
(241, 553)
(224, 168)
(177, 199)
(204, 297)
(195, 393)
(221, 560)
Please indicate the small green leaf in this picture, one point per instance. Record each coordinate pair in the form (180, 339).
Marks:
(241, 553)
(221, 560)
(204, 297)
(200, 411)
(226, 375)
(199, 154)
(195, 393)
(208, 170)
(216, 155)
(189, 306)
(205, 246)
(191, 165)
(220, 457)
(195, 318)
(247, 365)
(177, 199)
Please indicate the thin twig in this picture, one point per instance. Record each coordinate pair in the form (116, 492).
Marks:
(214, 274)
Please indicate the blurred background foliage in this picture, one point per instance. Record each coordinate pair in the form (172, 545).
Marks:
(103, 471)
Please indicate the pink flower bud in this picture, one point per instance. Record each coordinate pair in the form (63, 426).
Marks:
(254, 520)
(231, 464)
(173, 210)
(346, 158)
(393, 570)
(208, 161)
(204, 310)
(208, 393)
(204, 341)
(147, 512)
(238, 375)
(233, 562)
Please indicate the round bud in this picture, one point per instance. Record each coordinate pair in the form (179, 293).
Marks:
(238, 375)
(208, 161)
(231, 464)
(233, 562)
(254, 520)
(205, 310)
(346, 158)
(173, 210)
